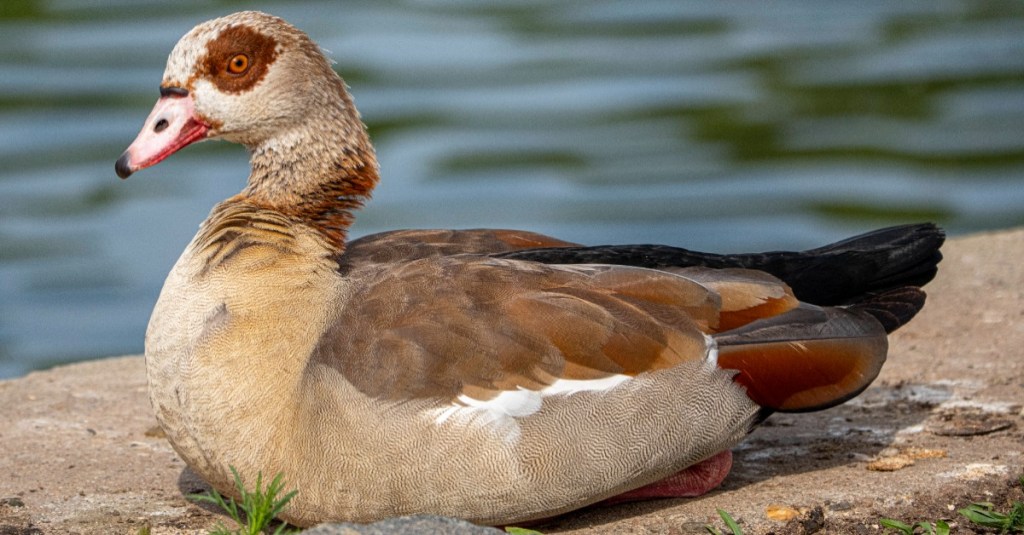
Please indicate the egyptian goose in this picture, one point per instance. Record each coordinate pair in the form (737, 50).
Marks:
(493, 375)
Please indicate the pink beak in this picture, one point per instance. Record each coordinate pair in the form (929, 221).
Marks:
(172, 125)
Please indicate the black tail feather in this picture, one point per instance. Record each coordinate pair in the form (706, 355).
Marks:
(844, 272)
(885, 259)
(893, 308)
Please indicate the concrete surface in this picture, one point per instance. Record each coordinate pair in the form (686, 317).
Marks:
(80, 451)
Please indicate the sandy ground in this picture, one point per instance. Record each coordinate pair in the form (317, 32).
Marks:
(80, 451)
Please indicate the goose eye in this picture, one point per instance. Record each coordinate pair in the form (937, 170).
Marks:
(238, 64)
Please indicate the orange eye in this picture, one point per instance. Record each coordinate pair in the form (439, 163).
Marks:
(238, 64)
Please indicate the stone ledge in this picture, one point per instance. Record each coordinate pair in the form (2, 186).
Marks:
(942, 426)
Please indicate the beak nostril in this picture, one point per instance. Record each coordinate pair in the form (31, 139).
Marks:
(161, 125)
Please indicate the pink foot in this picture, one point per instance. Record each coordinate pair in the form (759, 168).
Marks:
(688, 483)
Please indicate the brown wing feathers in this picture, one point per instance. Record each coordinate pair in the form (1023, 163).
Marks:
(589, 322)
(500, 325)
(408, 245)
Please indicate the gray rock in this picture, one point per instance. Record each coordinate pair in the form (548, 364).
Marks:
(405, 525)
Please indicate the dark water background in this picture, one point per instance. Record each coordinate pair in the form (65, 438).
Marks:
(714, 125)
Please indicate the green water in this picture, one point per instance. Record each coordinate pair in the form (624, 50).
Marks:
(712, 125)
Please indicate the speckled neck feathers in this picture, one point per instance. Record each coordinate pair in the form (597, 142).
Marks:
(319, 171)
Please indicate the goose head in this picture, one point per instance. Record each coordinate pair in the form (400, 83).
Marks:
(253, 79)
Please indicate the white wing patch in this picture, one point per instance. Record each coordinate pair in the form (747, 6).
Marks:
(571, 386)
(712, 356)
(502, 410)
(511, 403)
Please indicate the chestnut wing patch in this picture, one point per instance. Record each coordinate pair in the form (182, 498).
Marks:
(747, 295)
(806, 359)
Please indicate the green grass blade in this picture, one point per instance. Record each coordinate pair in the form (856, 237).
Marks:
(278, 504)
(890, 523)
(984, 514)
(1016, 517)
(729, 522)
(215, 498)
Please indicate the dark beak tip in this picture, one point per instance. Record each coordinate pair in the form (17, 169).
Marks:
(121, 167)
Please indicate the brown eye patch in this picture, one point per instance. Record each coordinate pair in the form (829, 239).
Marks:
(238, 58)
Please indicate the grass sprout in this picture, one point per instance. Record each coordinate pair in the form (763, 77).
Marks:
(259, 506)
(927, 528)
(985, 514)
(734, 528)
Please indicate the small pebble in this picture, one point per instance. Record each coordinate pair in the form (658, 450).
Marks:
(781, 513)
(13, 501)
